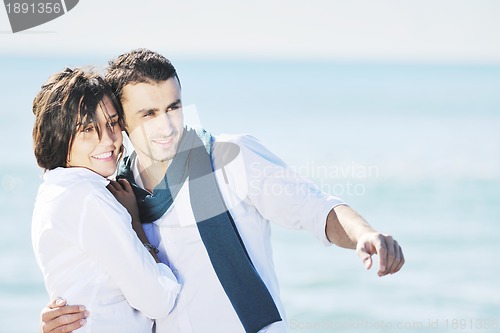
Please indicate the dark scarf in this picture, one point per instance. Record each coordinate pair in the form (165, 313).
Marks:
(245, 289)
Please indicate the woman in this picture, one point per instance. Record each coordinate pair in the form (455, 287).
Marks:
(82, 236)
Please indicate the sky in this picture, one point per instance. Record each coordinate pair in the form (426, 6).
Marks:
(463, 31)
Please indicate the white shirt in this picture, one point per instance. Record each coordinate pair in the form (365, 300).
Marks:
(260, 189)
(89, 254)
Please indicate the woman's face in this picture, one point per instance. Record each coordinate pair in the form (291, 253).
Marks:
(89, 152)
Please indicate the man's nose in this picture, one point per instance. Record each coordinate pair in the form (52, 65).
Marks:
(164, 124)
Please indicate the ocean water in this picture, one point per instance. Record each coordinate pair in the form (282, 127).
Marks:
(415, 148)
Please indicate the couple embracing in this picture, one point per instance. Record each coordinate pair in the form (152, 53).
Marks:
(179, 240)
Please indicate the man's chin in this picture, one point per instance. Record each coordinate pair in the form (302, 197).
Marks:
(165, 157)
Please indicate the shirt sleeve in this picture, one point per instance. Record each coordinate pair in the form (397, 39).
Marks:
(280, 194)
(107, 236)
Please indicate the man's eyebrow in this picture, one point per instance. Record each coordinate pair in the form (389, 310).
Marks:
(178, 101)
(142, 111)
(147, 110)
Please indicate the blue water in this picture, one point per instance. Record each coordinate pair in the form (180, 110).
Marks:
(415, 148)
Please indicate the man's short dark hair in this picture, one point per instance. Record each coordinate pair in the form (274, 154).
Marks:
(66, 103)
(138, 66)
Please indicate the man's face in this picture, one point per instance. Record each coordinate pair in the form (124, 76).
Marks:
(153, 119)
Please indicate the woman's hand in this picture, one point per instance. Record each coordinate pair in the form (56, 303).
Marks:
(122, 191)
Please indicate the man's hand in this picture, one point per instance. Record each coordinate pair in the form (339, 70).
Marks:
(57, 317)
(346, 228)
(390, 253)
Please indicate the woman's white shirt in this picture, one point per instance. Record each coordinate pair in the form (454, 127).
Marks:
(89, 254)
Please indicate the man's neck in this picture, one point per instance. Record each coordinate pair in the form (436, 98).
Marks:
(151, 172)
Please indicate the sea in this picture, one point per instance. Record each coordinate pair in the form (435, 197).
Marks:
(413, 147)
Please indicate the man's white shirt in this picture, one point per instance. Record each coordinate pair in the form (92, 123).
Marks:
(258, 188)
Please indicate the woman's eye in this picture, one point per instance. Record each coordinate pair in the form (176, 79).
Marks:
(88, 129)
(112, 124)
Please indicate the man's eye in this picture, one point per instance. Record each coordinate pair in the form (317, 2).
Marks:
(175, 107)
(148, 114)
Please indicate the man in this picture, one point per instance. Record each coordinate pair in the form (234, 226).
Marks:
(207, 203)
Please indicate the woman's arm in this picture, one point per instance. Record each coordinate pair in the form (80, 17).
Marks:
(106, 235)
(122, 191)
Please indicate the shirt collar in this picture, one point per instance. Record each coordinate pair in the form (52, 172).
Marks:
(73, 174)
(136, 173)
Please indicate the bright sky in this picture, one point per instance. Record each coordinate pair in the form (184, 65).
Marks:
(407, 30)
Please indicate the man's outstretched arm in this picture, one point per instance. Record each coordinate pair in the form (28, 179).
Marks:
(57, 317)
(346, 228)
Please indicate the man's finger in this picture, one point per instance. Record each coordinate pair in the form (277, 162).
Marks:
(69, 328)
(392, 254)
(365, 254)
(382, 252)
(59, 325)
(401, 261)
(394, 257)
(51, 314)
(66, 317)
(56, 302)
